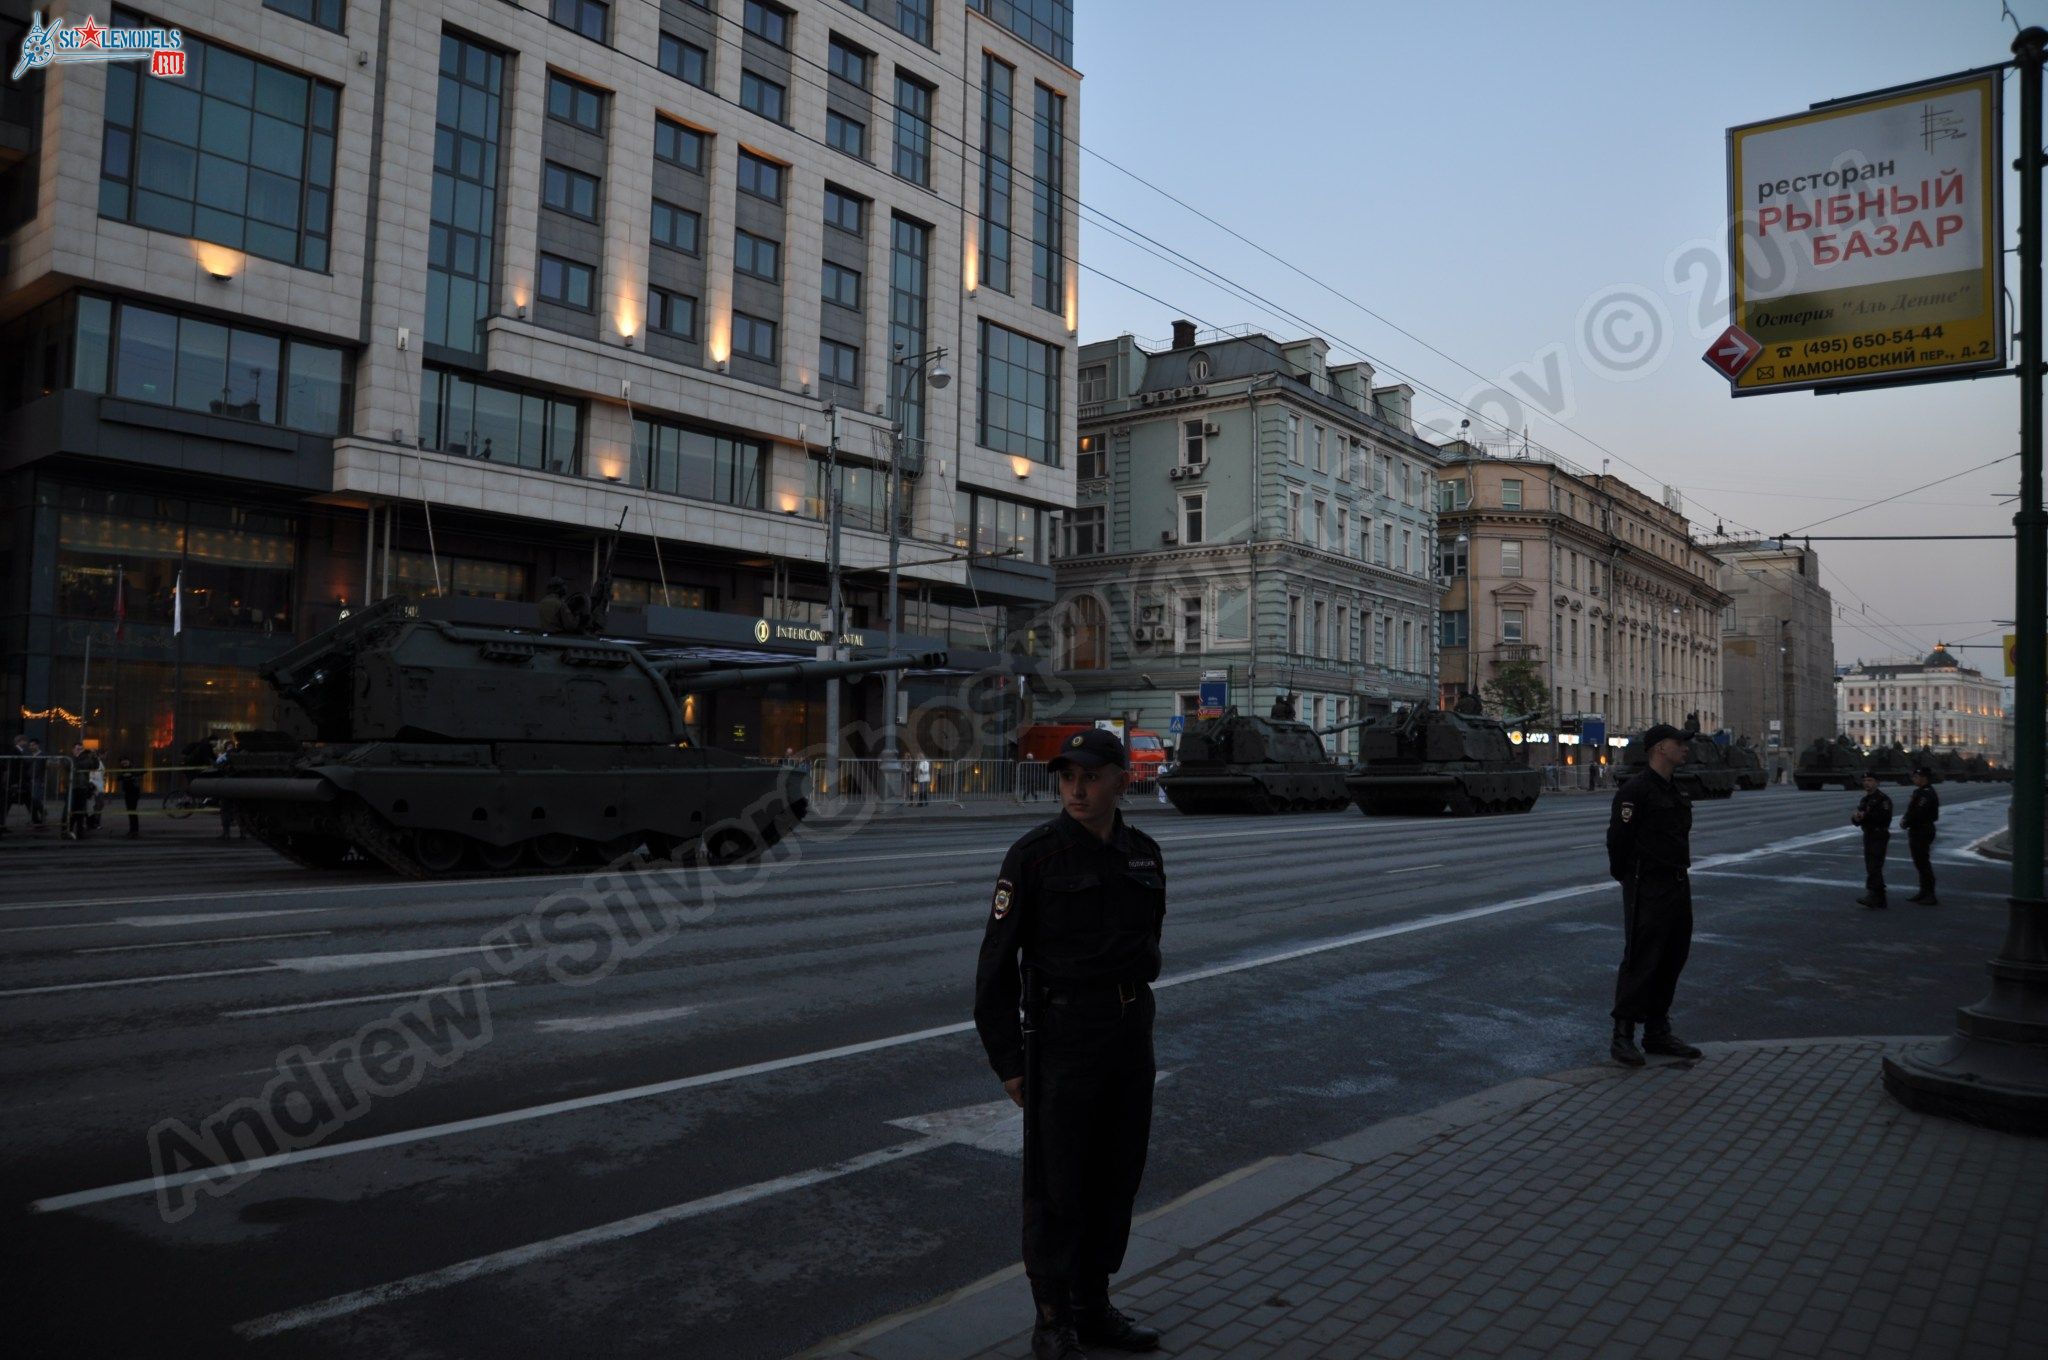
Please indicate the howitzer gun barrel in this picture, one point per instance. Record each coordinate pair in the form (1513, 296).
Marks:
(700, 677)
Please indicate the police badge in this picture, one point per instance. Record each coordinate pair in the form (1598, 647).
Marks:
(1628, 810)
(1002, 907)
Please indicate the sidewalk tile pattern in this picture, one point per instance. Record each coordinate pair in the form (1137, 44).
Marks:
(1764, 1202)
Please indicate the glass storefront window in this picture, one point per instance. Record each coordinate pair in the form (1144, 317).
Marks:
(205, 366)
(702, 464)
(95, 339)
(414, 573)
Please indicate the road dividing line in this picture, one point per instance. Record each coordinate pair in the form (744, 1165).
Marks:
(135, 981)
(357, 1000)
(600, 1099)
(498, 1262)
(594, 1024)
(1415, 869)
(189, 944)
(334, 963)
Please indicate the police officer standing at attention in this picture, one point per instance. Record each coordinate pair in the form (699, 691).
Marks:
(1080, 899)
(1874, 815)
(1923, 810)
(1649, 850)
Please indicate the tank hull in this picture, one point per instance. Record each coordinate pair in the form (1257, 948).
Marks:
(1380, 791)
(1260, 789)
(430, 810)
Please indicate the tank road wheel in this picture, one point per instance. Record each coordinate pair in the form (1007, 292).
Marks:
(552, 850)
(439, 852)
(497, 859)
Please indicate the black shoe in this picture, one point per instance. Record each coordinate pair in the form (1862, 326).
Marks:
(1664, 1044)
(1056, 1341)
(1623, 1049)
(1101, 1324)
(1925, 898)
(1870, 900)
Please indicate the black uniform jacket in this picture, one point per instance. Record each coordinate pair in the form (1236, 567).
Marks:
(1079, 911)
(1650, 829)
(1876, 808)
(1923, 810)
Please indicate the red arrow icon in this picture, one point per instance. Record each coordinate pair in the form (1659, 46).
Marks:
(1734, 351)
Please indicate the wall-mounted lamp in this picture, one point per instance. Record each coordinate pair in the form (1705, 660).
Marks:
(221, 263)
(626, 340)
(522, 311)
(787, 500)
(1020, 465)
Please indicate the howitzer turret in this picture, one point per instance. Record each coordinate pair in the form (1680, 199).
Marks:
(435, 748)
(1244, 764)
(1429, 759)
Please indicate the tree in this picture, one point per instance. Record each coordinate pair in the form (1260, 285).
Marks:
(1516, 688)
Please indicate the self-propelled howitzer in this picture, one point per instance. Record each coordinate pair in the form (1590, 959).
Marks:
(1427, 759)
(436, 748)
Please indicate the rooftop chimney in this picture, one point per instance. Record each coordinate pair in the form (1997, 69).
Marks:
(1183, 335)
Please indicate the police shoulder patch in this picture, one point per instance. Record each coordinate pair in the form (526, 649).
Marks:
(1628, 810)
(1002, 902)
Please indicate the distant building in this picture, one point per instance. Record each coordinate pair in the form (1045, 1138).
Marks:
(1936, 701)
(1245, 509)
(1777, 645)
(1597, 584)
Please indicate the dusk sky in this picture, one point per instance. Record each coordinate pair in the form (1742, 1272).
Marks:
(1498, 179)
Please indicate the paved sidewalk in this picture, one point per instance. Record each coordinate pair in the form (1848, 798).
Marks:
(1768, 1200)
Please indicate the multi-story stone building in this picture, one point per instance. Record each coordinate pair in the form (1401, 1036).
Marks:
(1582, 576)
(1247, 510)
(424, 297)
(1777, 646)
(1935, 701)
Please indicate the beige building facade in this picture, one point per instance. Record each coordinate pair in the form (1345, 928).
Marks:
(1777, 646)
(1935, 701)
(1582, 576)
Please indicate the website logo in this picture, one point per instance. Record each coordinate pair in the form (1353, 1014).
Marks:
(162, 48)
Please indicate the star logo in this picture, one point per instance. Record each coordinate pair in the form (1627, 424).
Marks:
(89, 33)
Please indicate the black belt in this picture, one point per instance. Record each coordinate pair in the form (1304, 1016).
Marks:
(1123, 989)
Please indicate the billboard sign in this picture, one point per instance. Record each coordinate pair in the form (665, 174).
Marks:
(1864, 239)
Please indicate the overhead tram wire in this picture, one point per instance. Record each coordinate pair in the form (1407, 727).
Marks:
(1871, 505)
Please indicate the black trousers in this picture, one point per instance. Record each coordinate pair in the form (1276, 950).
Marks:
(1874, 847)
(1920, 840)
(1087, 1122)
(1656, 910)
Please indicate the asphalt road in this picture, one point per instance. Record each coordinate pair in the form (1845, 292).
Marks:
(762, 1119)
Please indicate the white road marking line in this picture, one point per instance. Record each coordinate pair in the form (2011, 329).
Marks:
(1415, 869)
(218, 939)
(593, 1024)
(600, 1099)
(356, 1000)
(207, 918)
(334, 963)
(134, 981)
(898, 887)
(65, 925)
(498, 1262)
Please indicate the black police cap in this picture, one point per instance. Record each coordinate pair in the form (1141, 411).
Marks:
(1090, 749)
(1664, 732)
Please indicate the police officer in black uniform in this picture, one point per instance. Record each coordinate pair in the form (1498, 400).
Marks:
(1649, 850)
(1081, 900)
(1923, 810)
(1874, 815)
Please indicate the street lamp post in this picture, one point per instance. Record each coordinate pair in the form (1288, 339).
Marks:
(907, 367)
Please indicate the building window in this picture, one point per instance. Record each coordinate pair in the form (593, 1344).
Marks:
(762, 179)
(679, 145)
(1340, 633)
(1408, 562)
(1452, 628)
(1319, 630)
(1084, 635)
(1342, 542)
(571, 102)
(1451, 560)
(757, 256)
(842, 286)
(848, 62)
(998, 83)
(913, 130)
(846, 134)
(1199, 368)
(1233, 616)
(1385, 555)
(1090, 461)
(1511, 558)
(753, 337)
(1408, 657)
(767, 23)
(1192, 507)
(1083, 534)
(844, 211)
(462, 231)
(1294, 454)
(1320, 460)
(1510, 493)
(569, 191)
(1294, 514)
(567, 282)
(195, 365)
(760, 95)
(1094, 384)
(1020, 394)
(839, 363)
(910, 246)
(676, 227)
(1191, 637)
(1048, 201)
(703, 464)
(1511, 625)
(1191, 442)
(240, 152)
(323, 13)
(1004, 527)
(1047, 25)
(497, 422)
(1294, 625)
(914, 19)
(591, 18)
(672, 313)
(685, 61)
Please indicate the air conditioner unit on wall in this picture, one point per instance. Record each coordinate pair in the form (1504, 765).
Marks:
(1175, 474)
(1168, 536)
(1211, 427)
(1196, 469)
(1142, 633)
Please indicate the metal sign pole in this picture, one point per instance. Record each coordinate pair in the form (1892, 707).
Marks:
(1994, 1070)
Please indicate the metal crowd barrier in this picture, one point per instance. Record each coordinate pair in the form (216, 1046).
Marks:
(915, 783)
